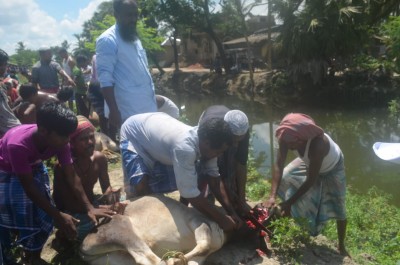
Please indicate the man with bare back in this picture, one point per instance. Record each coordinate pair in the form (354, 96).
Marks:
(91, 166)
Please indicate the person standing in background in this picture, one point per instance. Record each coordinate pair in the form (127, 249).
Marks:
(97, 102)
(7, 117)
(68, 65)
(45, 73)
(122, 67)
(81, 86)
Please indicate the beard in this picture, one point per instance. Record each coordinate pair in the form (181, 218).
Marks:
(128, 32)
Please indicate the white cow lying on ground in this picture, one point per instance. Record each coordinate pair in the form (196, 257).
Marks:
(150, 227)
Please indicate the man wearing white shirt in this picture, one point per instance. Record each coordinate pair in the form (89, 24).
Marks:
(161, 154)
(122, 66)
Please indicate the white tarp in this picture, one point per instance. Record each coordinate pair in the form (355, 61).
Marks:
(387, 151)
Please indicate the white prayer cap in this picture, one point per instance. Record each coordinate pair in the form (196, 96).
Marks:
(238, 122)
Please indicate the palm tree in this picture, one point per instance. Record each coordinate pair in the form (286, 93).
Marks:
(315, 32)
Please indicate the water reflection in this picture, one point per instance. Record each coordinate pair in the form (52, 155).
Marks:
(354, 130)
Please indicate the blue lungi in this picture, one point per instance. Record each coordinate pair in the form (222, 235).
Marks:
(18, 212)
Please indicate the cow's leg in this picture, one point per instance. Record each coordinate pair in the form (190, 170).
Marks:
(120, 231)
(209, 238)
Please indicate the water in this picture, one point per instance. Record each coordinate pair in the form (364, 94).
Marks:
(355, 131)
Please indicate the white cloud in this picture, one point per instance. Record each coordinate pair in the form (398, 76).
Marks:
(24, 20)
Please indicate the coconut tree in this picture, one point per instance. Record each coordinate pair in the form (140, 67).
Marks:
(315, 32)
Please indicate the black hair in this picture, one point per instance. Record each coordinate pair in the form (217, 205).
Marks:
(118, 5)
(3, 57)
(55, 117)
(27, 90)
(65, 93)
(81, 58)
(216, 131)
(62, 50)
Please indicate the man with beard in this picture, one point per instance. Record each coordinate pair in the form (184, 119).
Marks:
(122, 66)
(90, 166)
(45, 73)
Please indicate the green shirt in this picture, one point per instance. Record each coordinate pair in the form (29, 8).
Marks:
(79, 79)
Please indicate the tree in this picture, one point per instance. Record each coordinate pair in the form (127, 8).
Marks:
(150, 40)
(20, 47)
(314, 33)
(24, 56)
(391, 33)
(104, 9)
(174, 17)
(65, 45)
(80, 47)
(243, 9)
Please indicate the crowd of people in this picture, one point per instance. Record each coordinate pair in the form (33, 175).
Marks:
(159, 153)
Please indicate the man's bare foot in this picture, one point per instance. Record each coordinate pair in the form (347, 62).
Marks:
(342, 250)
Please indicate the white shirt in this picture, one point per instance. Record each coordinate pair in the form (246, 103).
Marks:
(159, 137)
(169, 107)
(65, 65)
(330, 160)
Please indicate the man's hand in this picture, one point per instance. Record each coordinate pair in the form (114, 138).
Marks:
(71, 82)
(67, 224)
(100, 212)
(244, 209)
(271, 202)
(236, 218)
(285, 208)
(229, 224)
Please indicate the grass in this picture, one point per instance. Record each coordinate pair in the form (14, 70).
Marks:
(373, 227)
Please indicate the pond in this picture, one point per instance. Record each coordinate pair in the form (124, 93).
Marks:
(355, 131)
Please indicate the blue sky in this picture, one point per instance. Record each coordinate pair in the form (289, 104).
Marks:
(42, 22)
(60, 9)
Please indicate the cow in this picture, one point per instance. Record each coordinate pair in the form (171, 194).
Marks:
(150, 227)
(107, 146)
(103, 143)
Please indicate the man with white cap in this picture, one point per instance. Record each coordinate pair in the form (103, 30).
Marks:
(232, 163)
(161, 154)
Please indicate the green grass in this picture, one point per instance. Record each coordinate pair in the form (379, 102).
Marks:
(373, 227)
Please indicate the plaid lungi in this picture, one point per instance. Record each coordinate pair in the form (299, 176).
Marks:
(161, 177)
(323, 201)
(18, 212)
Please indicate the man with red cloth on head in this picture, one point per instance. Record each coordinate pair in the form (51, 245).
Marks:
(312, 186)
(12, 91)
(90, 166)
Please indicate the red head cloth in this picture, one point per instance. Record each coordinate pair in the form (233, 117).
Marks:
(11, 81)
(297, 126)
(83, 124)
